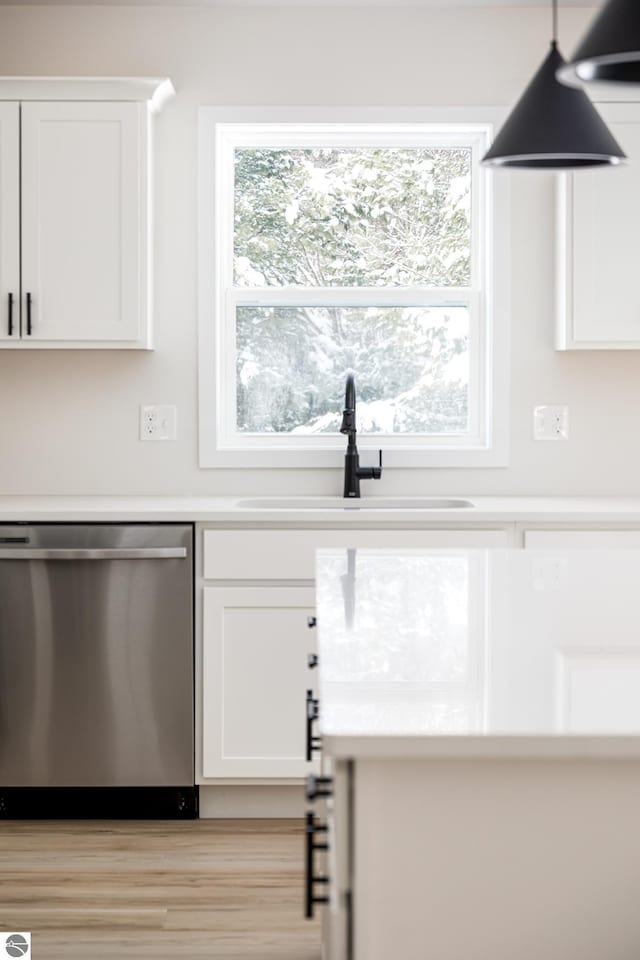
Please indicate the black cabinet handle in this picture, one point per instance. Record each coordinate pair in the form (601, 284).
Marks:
(10, 315)
(28, 314)
(312, 711)
(310, 898)
(319, 787)
(312, 659)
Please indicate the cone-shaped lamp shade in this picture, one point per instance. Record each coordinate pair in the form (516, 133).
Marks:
(610, 51)
(553, 126)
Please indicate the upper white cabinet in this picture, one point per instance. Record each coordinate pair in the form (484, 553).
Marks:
(9, 220)
(83, 222)
(75, 215)
(598, 246)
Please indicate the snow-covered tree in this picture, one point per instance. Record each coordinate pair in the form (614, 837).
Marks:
(352, 218)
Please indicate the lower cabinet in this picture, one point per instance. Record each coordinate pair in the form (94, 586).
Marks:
(255, 674)
(255, 593)
(255, 640)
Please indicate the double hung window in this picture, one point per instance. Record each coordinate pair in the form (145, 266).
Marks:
(336, 246)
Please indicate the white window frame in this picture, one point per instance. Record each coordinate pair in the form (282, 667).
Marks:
(221, 129)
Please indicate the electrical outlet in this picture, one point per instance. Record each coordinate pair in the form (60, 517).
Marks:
(549, 573)
(551, 422)
(158, 422)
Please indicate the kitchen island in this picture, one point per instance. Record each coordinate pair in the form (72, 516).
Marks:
(480, 719)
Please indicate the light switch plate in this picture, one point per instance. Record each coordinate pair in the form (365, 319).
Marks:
(551, 422)
(158, 422)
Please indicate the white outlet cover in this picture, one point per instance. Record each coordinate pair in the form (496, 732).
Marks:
(158, 422)
(549, 573)
(551, 422)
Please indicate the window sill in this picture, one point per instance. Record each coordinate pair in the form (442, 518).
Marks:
(407, 458)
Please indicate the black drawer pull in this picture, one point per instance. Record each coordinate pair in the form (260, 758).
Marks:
(312, 711)
(319, 787)
(10, 315)
(310, 898)
(312, 622)
(29, 326)
(312, 660)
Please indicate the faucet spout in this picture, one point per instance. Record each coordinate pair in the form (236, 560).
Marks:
(349, 412)
(353, 472)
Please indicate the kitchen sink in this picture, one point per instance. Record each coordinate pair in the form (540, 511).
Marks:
(364, 503)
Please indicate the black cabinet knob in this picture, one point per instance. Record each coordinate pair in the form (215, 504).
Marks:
(312, 660)
(312, 622)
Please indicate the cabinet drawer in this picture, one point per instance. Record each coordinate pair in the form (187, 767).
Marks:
(585, 539)
(290, 554)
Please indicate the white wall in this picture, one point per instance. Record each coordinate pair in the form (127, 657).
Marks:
(68, 421)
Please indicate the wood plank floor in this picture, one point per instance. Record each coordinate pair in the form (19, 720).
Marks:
(202, 888)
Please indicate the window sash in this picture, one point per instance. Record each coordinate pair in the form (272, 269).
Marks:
(229, 438)
(437, 136)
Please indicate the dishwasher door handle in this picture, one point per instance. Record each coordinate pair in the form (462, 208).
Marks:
(108, 553)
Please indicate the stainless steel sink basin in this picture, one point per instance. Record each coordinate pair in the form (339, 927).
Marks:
(364, 503)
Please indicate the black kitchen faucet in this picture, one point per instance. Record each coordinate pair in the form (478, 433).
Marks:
(353, 472)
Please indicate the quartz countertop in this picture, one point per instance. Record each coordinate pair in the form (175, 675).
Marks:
(334, 511)
(497, 652)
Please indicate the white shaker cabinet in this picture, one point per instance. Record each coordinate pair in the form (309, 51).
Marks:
(84, 222)
(598, 246)
(255, 662)
(9, 220)
(75, 215)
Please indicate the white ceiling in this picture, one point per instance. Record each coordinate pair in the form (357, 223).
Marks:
(308, 3)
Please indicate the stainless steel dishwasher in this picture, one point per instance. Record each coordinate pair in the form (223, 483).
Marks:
(96, 666)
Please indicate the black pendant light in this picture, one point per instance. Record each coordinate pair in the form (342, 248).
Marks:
(553, 126)
(610, 51)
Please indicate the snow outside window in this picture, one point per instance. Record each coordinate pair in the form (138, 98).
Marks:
(330, 247)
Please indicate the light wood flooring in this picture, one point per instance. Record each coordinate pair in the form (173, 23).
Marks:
(134, 890)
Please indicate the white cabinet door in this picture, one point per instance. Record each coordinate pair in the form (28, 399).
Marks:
(84, 231)
(255, 675)
(9, 221)
(598, 295)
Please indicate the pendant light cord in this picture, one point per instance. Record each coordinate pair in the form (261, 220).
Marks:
(554, 26)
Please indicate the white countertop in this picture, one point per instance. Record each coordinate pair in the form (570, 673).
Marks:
(476, 653)
(240, 510)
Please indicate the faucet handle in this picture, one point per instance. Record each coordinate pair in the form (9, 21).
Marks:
(377, 471)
